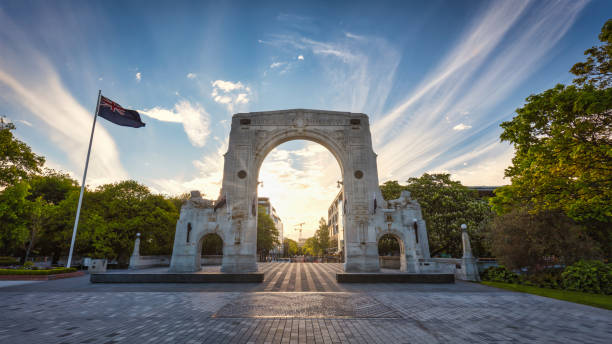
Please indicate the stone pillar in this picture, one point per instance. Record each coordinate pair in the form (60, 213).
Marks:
(469, 267)
(423, 239)
(135, 258)
(412, 261)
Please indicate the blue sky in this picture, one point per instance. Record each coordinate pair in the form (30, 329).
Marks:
(435, 77)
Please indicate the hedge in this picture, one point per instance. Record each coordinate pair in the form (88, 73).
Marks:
(8, 261)
(36, 272)
(584, 276)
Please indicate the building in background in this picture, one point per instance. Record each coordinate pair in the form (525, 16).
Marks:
(265, 203)
(484, 192)
(335, 214)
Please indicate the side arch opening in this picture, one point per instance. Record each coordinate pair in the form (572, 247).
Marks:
(391, 252)
(211, 249)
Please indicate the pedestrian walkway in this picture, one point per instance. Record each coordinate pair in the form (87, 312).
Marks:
(296, 303)
(291, 277)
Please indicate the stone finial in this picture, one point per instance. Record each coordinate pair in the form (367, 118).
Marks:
(465, 238)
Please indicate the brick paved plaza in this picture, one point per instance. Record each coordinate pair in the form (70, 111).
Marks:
(296, 303)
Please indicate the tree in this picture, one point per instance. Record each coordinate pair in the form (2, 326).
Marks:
(110, 217)
(388, 246)
(290, 247)
(17, 160)
(267, 233)
(36, 210)
(212, 244)
(13, 219)
(322, 237)
(597, 70)
(311, 247)
(446, 204)
(522, 239)
(391, 190)
(53, 186)
(563, 143)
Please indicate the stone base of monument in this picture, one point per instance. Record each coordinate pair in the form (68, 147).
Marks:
(398, 277)
(162, 275)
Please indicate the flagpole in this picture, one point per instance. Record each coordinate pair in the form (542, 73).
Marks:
(76, 220)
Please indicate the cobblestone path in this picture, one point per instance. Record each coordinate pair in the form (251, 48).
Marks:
(296, 303)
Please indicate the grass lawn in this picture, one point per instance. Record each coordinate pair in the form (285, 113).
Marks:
(595, 300)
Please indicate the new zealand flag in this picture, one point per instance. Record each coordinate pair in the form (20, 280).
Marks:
(115, 113)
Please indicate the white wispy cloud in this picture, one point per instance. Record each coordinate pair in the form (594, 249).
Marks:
(230, 94)
(358, 73)
(195, 119)
(32, 83)
(277, 64)
(23, 121)
(191, 75)
(138, 76)
(227, 86)
(473, 78)
(461, 126)
(207, 180)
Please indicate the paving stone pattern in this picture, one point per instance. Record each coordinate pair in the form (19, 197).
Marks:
(297, 303)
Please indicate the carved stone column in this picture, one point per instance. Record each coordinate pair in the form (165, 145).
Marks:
(469, 267)
(135, 258)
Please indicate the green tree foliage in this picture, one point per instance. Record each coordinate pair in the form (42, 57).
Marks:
(322, 237)
(446, 204)
(267, 233)
(391, 190)
(212, 244)
(17, 160)
(597, 69)
(563, 160)
(53, 186)
(388, 245)
(311, 247)
(319, 244)
(39, 219)
(522, 239)
(13, 219)
(290, 247)
(113, 214)
(563, 143)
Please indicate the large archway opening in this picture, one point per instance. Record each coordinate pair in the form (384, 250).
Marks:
(299, 182)
(211, 248)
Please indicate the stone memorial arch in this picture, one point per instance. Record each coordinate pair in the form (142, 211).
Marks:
(233, 216)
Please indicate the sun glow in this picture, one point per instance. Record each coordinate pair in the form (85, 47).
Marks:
(300, 178)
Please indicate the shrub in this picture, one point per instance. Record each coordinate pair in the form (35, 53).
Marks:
(36, 272)
(499, 274)
(550, 279)
(589, 276)
(28, 265)
(521, 239)
(4, 261)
